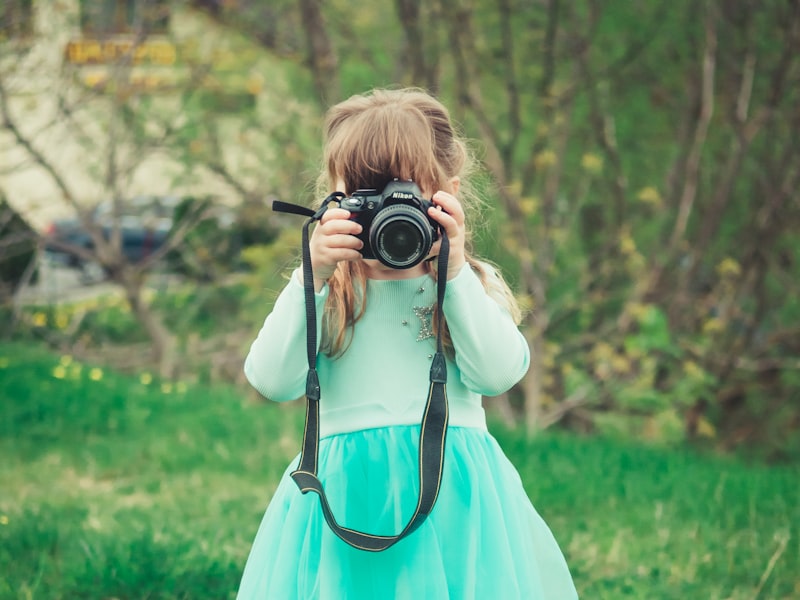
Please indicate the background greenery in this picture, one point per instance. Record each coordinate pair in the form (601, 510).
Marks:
(640, 165)
(125, 486)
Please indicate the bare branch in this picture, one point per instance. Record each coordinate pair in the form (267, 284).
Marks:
(701, 132)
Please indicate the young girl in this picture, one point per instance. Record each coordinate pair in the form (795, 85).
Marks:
(483, 538)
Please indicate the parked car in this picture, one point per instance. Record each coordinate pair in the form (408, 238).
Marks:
(145, 224)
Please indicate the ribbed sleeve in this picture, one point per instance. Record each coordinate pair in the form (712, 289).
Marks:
(276, 365)
(491, 353)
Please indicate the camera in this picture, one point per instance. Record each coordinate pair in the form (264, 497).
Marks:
(396, 227)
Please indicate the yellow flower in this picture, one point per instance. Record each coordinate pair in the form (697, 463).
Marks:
(603, 351)
(62, 320)
(529, 205)
(592, 163)
(620, 363)
(705, 428)
(637, 310)
(96, 374)
(713, 325)
(3, 363)
(39, 319)
(649, 195)
(181, 387)
(65, 361)
(545, 159)
(729, 268)
(59, 372)
(627, 245)
(692, 370)
(3, 520)
(145, 378)
(166, 387)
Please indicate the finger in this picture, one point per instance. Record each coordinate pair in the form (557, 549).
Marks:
(449, 204)
(335, 214)
(332, 256)
(445, 220)
(342, 241)
(340, 226)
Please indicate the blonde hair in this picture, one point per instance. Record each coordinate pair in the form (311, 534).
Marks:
(371, 139)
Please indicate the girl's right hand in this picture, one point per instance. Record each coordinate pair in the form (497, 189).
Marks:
(333, 240)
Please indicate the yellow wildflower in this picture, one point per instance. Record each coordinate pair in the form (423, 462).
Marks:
(4, 362)
(145, 378)
(692, 370)
(65, 361)
(529, 205)
(3, 519)
(39, 319)
(705, 428)
(59, 372)
(728, 267)
(627, 245)
(649, 195)
(62, 320)
(620, 363)
(713, 325)
(166, 387)
(545, 159)
(592, 163)
(96, 374)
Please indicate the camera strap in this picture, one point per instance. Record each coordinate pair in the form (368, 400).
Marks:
(433, 429)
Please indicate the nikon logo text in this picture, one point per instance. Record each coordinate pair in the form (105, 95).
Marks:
(403, 195)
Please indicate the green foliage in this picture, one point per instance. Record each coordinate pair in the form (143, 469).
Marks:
(129, 487)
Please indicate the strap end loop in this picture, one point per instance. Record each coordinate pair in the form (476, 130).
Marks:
(439, 369)
(312, 385)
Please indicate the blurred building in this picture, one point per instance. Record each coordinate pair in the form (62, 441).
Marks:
(117, 97)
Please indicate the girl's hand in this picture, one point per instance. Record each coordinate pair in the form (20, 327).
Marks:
(333, 240)
(449, 214)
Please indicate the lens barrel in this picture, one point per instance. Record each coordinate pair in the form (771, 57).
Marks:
(401, 236)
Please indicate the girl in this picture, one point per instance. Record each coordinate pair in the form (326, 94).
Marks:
(483, 538)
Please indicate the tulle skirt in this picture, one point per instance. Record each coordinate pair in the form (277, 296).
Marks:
(483, 539)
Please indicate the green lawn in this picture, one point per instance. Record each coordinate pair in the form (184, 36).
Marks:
(126, 487)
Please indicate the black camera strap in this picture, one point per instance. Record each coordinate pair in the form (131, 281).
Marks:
(433, 429)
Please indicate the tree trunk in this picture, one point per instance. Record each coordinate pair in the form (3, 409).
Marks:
(322, 57)
(163, 344)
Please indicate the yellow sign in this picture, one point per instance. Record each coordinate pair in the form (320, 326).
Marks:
(93, 52)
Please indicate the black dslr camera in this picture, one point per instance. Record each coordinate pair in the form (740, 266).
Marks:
(396, 227)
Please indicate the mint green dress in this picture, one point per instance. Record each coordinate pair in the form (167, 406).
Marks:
(483, 539)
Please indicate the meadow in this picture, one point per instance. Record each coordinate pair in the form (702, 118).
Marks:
(126, 487)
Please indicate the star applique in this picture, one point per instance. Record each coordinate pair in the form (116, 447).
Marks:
(425, 314)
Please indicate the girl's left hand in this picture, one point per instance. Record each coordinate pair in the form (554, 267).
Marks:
(449, 214)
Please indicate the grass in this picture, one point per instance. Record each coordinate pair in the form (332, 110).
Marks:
(125, 487)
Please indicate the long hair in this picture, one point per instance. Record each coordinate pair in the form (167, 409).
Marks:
(368, 141)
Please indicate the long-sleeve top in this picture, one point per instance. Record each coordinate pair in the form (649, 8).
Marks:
(382, 378)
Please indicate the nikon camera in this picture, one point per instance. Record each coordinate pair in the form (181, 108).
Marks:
(396, 227)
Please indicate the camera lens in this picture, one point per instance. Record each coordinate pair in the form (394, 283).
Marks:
(401, 236)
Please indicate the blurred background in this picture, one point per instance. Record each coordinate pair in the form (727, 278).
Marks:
(640, 164)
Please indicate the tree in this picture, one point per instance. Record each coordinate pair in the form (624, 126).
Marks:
(644, 160)
(164, 108)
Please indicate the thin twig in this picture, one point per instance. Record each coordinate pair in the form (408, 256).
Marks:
(783, 542)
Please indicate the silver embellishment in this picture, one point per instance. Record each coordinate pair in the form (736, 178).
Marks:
(425, 314)
(421, 289)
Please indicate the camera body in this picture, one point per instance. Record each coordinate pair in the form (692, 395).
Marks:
(396, 227)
